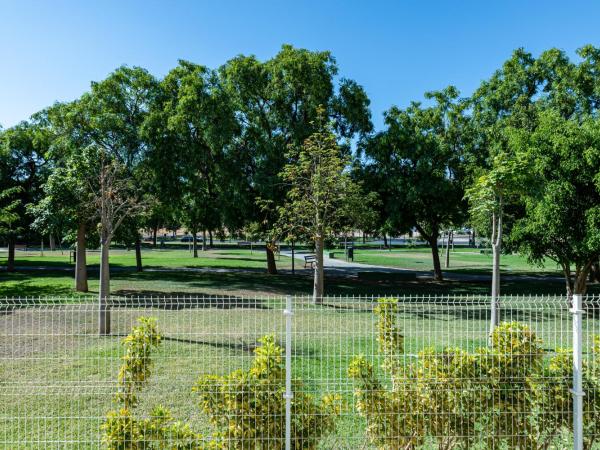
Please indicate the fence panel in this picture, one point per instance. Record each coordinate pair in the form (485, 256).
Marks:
(438, 382)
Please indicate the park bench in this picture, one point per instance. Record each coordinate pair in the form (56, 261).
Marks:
(310, 260)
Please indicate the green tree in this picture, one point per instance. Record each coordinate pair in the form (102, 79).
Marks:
(562, 220)
(8, 219)
(420, 157)
(110, 117)
(108, 121)
(487, 196)
(23, 164)
(322, 196)
(195, 112)
(277, 103)
(66, 207)
(494, 171)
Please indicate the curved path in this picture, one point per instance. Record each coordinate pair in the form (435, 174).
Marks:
(341, 267)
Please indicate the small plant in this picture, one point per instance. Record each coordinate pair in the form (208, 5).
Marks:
(247, 408)
(507, 395)
(122, 430)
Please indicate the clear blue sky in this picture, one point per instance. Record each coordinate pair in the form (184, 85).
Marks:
(51, 50)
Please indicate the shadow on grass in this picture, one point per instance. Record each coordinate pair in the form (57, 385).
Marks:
(182, 300)
(462, 312)
(181, 283)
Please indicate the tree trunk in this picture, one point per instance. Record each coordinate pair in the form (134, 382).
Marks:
(495, 304)
(432, 240)
(385, 242)
(10, 263)
(595, 272)
(447, 262)
(203, 240)
(81, 277)
(293, 259)
(138, 254)
(271, 264)
(154, 233)
(437, 268)
(579, 284)
(194, 244)
(52, 242)
(104, 292)
(568, 281)
(496, 250)
(210, 238)
(319, 273)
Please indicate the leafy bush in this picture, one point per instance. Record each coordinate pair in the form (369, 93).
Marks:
(506, 395)
(247, 408)
(122, 430)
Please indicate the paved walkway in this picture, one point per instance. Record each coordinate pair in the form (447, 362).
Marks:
(341, 267)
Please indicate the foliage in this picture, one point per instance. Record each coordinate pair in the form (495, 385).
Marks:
(23, 168)
(322, 197)
(419, 157)
(122, 430)
(8, 211)
(503, 395)
(137, 364)
(247, 408)
(277, 103)
(562, 220)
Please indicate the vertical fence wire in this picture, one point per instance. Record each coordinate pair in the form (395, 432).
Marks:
(443, 385)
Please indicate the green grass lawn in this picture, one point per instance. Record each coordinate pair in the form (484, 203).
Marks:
(467, 260)
(53, 283)
(57, 376)
(156, 258)
(249, 278)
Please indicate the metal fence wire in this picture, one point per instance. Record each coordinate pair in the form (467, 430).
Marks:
(401, 372)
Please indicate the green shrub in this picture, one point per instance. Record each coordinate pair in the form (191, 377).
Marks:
(247, 408)
(122, 430)
(511, 395)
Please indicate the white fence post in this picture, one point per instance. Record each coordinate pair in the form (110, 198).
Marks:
(288, 395)
(577, 390)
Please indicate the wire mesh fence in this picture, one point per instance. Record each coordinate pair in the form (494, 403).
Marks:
(366, 373)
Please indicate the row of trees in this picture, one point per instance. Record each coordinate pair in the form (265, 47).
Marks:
(250, 146)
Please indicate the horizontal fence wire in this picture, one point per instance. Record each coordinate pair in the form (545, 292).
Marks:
(400, 372)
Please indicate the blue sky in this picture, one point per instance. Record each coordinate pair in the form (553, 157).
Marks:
(51, 50)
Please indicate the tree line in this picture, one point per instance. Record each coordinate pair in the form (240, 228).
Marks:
(242, 148)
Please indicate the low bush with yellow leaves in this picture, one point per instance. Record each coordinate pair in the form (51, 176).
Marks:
(513, 394)
(245, 408)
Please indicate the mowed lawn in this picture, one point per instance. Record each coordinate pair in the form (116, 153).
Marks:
(467, 260)
(228, 258)
(231, 271)
(58, 376)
